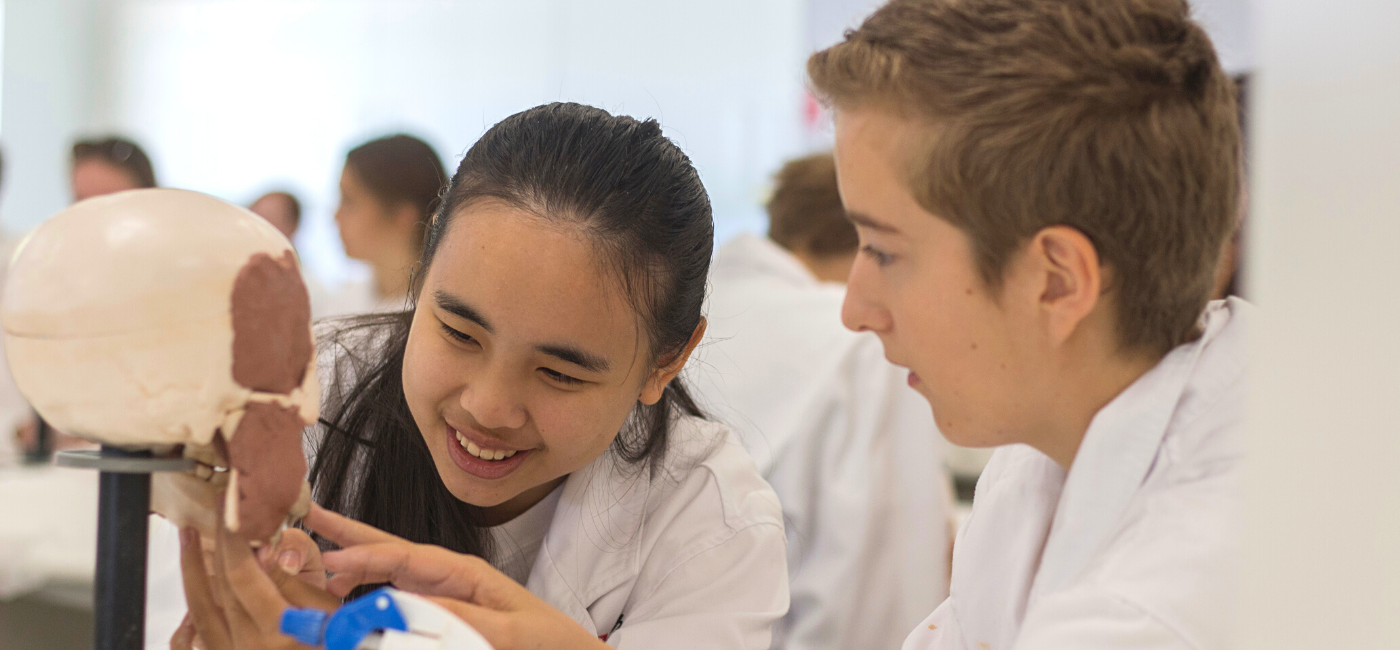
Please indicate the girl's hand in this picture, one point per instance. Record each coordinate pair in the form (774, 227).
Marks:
(236, 605)
(295, 554)
(507, 614)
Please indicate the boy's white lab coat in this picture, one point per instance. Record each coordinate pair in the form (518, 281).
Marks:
(690, 557)
(851, 450)
(1137, 546)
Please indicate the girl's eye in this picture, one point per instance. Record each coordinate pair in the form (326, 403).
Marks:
(560, 377)
(464, 338)
(881, 258)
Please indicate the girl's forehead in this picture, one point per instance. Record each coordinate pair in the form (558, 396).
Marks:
(534, 278)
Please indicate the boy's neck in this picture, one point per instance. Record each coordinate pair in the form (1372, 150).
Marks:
(1083, 390)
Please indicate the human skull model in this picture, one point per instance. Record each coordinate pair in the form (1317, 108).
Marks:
(167, 319)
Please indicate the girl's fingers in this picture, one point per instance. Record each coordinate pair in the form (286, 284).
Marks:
(295, 554)
(204, 613)
(422, 569)
(300, 592)
(345, 531)
(183, 639)
(253, 591)
(366, 565)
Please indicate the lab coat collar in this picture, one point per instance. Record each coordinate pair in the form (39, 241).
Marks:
(594, 541)
(1114, 459)
(748, 253)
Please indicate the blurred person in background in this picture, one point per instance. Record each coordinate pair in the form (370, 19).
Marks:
(281, 209)
(100, 167)
(851, 450)
(388, 189)
(109, 165)
(14, 411)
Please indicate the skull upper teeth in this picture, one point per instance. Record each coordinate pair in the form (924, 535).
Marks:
(484, 454)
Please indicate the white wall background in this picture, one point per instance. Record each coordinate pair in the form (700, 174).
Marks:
(233, 97)
(49, 54)
(1323, 567)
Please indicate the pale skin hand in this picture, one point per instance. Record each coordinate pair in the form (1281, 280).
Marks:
(507, 614)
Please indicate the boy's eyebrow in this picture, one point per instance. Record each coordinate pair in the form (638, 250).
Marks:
(586, 360)
(871, 223)
(451, 303)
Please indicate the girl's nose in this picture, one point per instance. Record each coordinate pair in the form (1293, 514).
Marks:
(493, 404)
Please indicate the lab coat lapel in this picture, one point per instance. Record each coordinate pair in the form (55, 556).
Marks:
(593, 544)
(1113, 461)
(998, 549)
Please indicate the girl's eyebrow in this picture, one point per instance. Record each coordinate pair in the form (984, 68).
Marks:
(451, 303)
(586, 360)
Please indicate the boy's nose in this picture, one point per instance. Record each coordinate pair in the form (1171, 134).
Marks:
(862, 310)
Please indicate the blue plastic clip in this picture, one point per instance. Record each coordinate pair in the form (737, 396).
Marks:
(349, 625)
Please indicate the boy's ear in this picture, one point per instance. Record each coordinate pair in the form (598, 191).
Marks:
(1072, 278)
(656, 383)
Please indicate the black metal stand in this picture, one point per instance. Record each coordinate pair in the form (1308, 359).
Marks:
(123, 504)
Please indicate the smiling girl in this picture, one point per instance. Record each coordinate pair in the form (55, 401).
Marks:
(528, 411)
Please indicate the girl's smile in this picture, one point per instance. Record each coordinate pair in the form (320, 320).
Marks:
(492, 462)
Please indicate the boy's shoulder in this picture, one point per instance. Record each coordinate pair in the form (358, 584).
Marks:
(1142, 535)
(1168, 569)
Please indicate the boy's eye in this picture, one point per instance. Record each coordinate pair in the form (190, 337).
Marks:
(880, 257)
(560, 377)
(460, 336)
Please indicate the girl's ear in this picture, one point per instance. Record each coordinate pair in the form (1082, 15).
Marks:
(656, 383)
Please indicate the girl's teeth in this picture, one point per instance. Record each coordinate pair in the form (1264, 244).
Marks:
(484, 454)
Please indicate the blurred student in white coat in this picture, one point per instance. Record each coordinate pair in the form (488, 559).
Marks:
(850, 449)
(1043, 192)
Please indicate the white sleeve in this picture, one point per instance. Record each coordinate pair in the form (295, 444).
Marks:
(866, 497)
(726, 597)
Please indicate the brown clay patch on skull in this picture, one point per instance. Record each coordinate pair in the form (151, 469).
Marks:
(266, 451)
(271, 324)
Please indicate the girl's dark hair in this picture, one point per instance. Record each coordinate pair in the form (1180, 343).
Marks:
(400, 169)
(641, 204)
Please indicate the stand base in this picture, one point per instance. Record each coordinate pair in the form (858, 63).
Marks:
(123, 506)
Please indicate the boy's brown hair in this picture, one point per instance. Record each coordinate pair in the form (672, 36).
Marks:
(805, 212)
(1113, 117)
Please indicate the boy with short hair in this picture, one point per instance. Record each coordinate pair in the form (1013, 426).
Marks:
(1043, 191)
(849, 448)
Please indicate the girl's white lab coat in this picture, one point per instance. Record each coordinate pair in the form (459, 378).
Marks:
(1136, 547)
(692, 556)
(851, 450)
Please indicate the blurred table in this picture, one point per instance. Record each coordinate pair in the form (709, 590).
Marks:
(48, 534)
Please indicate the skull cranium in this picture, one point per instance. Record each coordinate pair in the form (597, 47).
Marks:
(157, 319)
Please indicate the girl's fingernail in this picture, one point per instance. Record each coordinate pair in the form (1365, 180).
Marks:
(290, 561)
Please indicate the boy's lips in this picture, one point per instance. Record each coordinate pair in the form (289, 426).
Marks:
(914, 380)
